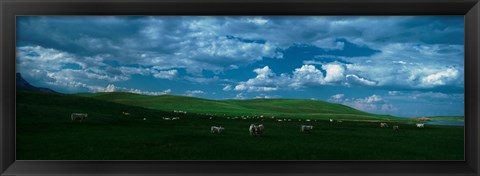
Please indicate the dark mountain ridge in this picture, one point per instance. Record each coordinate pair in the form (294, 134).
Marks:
(23, 85)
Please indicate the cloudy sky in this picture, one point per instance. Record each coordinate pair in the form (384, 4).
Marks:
(401, 65)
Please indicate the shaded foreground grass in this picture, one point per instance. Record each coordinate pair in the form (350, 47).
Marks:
(44, 131)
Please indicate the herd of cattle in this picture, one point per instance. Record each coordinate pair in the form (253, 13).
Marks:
(255, 130)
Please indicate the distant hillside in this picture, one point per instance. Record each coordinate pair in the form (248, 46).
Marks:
(22, 84)
(54, 108)
(297, 108)
(291, 108)
(459, 118)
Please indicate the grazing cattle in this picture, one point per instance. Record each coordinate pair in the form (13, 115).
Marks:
(383, 125)
(215, 129)
(256, 129)
(125, 113)
(306, 128)
(260, 129)
(144, 118)
(396, 128)
(167, 118)
(78, 116)
(331, 120)
(339, 121)
(183, 112)
(420, 125)
(308, 120)
(252, 129)
(280, 120)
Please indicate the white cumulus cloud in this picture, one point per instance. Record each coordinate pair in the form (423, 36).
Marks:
(335, 72)
(357, 80)
(440, 78)
(337, 98)
(168, 74)
(194, 92)
(110, 88)
(307, 75)
(265, 80)
(227, 88)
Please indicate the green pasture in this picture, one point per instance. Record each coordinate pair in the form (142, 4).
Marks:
(292, 108)
(45, 131)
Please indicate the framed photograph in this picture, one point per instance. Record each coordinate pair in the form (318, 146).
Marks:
(254, 87)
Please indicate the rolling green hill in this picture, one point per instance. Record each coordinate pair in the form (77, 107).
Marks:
(458, 118)
(291, 108)
(62, 105)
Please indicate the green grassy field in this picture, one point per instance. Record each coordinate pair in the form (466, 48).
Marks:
(458, 118)
(45, 131)
(291, 108)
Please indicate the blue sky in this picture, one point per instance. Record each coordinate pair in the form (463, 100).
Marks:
(400, 65)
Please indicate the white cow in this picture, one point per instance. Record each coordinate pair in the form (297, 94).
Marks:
(252, 129)
(331, 120)
(306, 128)
(420, 125)
(396, 128)
(260, 129)
(125, 113)
(383, 125)
(256, 129)
(78, 116)
(216, 129)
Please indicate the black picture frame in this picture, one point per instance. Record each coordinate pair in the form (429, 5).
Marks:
(10, 8)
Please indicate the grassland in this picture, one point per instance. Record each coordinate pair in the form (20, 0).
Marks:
(457, 118)
(44, 131)
(288, 108)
